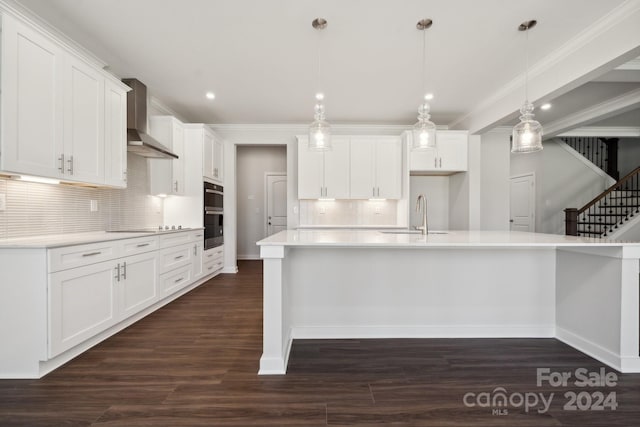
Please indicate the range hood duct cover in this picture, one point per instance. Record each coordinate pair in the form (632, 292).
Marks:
(138, 140)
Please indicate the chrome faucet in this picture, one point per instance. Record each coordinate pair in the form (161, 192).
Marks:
(424, 227)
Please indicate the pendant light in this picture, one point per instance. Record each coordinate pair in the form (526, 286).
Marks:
(424, 131)
(319, 130)
(527, 135)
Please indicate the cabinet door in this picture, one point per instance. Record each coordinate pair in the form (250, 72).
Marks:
(218, 160)
(115, 135)
(82, 303)
(198, 252)
(139, 283)
(83, 122)
(389, 168)
(422, 160)
(452, 150)
(32, 103)
(207, 156)
(336, 169)
(177, 165)
(363, 185)
(310, 171)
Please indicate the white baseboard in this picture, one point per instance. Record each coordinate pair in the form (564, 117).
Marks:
(589, 348)
(248, 257)
(462, 331)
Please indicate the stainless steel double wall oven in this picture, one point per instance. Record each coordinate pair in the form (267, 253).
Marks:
(213, 215)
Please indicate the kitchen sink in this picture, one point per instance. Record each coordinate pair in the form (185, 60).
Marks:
(411, 232)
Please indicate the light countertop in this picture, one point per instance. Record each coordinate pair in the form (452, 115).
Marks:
(71, 239)
(370, 238)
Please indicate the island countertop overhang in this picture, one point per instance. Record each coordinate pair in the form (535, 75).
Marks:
(452, 239)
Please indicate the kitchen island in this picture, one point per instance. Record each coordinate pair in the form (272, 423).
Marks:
(328, 284)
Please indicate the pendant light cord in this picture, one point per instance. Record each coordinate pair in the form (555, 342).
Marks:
(318, 87)
(526, 62)
(424, 63)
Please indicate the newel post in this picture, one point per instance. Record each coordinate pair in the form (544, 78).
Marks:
(571, 221)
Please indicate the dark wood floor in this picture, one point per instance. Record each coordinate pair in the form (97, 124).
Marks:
(194, 363)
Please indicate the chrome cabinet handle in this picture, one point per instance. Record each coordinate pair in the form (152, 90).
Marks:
(440, 163)
(91, 254)
(175, 186)
(195, 249)
(117, 277)
(124, 270)
(61, 160)
(178, 280)
(70, 161)
(142, 245)
(435, 162)
(178, 257)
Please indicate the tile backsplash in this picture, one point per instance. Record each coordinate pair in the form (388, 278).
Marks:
(36, 209)
(348, 213)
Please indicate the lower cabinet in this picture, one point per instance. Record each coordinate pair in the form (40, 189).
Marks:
(138, 283)
(82, 303)
(87, 297)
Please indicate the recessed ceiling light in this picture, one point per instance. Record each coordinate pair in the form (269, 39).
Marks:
(545, 106)
(428, 97)
(210, 95)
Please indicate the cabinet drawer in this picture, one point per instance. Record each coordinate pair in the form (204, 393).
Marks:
(78, 256)
(175, 280)
(174, 239)
(139, 245)
(197, 236)
(212, 266)
(214, 253)
(172, 258)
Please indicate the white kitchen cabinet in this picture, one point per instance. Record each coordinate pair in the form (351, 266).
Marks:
(450, 155)
(83, 122)
(32, 101)
(167, 176)
(59, 119)
(138, 282)
(115, 135)
(82, 303)
(198, 257)
(323, 174)
(213, 157)
(376, 167)
(213, 260)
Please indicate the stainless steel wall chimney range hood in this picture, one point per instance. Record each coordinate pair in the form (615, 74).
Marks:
(138, 141)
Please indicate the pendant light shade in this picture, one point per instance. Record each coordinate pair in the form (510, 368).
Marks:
(319, 129)
(424, 131)
(527, 135)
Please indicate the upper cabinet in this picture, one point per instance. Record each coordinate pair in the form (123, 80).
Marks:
(376, 167)
(167, 176)
(357, 167)
(213, 157)
(115, 135)
(449, 157)
(323, 174)
(58, 111)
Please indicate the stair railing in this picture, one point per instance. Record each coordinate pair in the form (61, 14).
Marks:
(602, 152)
(622, 205)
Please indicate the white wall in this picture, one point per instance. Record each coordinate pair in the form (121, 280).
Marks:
(252, 164)
(436, 190)
(464, 191)
(494, 180)
(562, 181)
(628, 155)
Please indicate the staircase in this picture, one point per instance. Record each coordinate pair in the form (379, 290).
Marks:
(602, 152)
(607, 212)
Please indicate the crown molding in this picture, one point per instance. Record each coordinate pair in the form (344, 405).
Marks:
(505, 101)
(609, 108)
(604, 131)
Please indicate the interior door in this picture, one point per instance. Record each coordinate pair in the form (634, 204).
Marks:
(522, 203)
(276, 203)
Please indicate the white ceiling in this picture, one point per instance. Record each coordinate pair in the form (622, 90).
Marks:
(259, 56)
